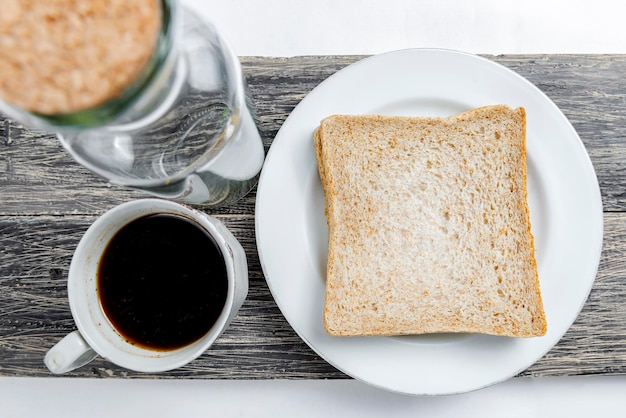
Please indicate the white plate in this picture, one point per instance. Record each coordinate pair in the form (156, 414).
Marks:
(564, 199)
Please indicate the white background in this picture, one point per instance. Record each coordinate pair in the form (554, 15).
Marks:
(326, 27)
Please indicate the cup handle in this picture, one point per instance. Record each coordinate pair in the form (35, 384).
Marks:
(68, 354)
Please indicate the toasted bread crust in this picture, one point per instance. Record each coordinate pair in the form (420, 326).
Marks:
(429, 226)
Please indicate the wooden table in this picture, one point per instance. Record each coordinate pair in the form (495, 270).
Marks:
(47, 201)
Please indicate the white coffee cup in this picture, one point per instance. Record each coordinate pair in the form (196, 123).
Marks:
(97, 336)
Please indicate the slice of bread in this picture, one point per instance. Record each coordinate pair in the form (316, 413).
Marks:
(429, 227)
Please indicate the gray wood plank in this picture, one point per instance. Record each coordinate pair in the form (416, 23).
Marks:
(35, 253)
(47, 201)
(38, 177)
(34, 313)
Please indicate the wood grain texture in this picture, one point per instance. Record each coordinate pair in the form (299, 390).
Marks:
(47, 201)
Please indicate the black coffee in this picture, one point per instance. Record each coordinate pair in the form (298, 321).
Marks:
(162, 281)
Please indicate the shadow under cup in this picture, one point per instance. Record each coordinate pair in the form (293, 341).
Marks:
(88, 309)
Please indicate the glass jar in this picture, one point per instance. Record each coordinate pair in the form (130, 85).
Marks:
(182, 130)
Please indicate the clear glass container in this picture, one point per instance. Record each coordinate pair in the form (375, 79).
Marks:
(183, 130)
